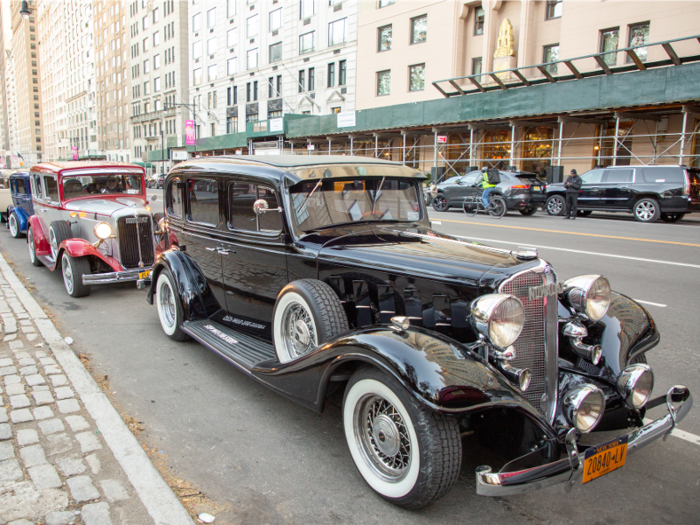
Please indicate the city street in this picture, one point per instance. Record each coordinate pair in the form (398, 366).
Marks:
(268, 460)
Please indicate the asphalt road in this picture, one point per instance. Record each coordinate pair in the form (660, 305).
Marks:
(270, 461)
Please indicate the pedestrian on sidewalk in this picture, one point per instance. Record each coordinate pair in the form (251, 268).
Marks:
(572, 184)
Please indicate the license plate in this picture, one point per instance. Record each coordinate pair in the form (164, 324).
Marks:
(144, 274)
(604, 458)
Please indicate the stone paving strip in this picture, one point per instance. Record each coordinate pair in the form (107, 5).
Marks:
(66, 456)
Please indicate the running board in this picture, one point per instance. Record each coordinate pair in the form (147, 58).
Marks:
(240, 349)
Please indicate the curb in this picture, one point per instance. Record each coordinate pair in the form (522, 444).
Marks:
(155, 494)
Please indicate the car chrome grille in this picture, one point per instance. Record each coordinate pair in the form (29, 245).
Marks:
(537, 346)
(133, 232)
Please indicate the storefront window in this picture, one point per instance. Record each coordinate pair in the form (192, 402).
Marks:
(536, 147)
(495, 148)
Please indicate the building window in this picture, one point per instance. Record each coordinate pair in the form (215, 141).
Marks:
(211, 46)
(638, 36)
(197, 76)
(248, 92)
(302, 80)
(312, 79)
(211, 72)
(231, 37)
(384, 3)
(336, 32)
(156, 15)
(156, 84)
(231, 66)
(476, 66)
(231, 124)
(156, 61)
(146, 66)
(156, 38)
(551, 54)
(479, 16)
(252, 26)
(197, 50)
(146, 88)
(145, 45)
(416, 77)
(306, 43)
(276, 52)
(196, 22)
(145, 22)
(331, 75)
(230, 8)
(609, 39)
(275, 19)
(419, 29)
(384, 83)
(553, 9)
(384, 38)
(252, 58)
(306, 8)
(342, 72)
(255, 91)
(211, 17)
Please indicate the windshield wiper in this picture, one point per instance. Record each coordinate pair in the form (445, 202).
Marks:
(376, 194)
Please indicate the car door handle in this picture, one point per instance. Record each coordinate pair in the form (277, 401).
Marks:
(43, 210)
(226, 251)
(209, 249)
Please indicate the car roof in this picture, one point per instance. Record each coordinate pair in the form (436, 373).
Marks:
(56, 167)
(295, 168)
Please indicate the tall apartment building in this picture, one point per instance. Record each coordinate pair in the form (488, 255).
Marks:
(112, 75)
(5, 36)
(256, 61)
(11, 159)
(54, 72)
(158, 72)
(27, 83)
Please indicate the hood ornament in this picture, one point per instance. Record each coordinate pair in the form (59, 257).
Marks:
(526, 255)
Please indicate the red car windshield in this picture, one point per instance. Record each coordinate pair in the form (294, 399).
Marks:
(107, 184)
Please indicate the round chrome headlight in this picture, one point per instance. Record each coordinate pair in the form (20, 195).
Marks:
(499, 317)
(584, 406)
(635, 383)
(103, 231)
(589, 295)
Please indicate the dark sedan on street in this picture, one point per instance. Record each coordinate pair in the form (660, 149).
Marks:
(521, 191)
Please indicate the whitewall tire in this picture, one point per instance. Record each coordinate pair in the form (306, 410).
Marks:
(169, 307)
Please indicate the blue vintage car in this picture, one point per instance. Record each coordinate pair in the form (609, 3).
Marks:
(21, 208)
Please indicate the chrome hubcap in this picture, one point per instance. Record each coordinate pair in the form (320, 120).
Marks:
(645, 210)
(383, 437)
(52, 242)
(13, 225)
(67, 274)
(298, 331)
(167, 305)
(554, 206)
(30, 243)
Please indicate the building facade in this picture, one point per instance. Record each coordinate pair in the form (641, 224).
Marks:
(158, 77)
(5, 36)
(111, 44)
(27, 85)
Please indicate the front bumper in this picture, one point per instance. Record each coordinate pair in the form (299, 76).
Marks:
(114, 277)
(570, 468)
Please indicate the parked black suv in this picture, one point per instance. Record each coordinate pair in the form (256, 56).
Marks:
(321, 274)
(520, 190)
(649, 192)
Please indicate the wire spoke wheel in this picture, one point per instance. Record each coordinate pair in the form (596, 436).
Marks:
(383, 437)
(298, 331)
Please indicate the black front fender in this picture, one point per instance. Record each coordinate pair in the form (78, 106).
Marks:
(191, 285)
(437, 370)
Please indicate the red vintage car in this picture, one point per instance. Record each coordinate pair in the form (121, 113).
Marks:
(91, 220)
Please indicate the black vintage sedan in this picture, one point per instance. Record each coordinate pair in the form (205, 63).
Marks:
(314, 274)
(519, 190)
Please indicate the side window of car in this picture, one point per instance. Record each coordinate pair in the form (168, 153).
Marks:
(659, 175)
(51, 186)
(592, 176)
(203, 197)
(613, 176)
(470, 178)
(242, 216)
(174, 199)
(20, 188)
(37, 187)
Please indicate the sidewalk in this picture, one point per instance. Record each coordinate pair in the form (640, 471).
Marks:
(65, 454)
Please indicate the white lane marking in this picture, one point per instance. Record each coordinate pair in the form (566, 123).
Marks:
(650, 303)
(672, 263)
(677, 432)
(437, 222)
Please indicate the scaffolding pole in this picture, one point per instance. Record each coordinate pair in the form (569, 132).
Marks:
(685, 122)
(403, 150)
(600, 143)
(435, 150)
(471, 147)
(561, 134)
(512, 145)
(617, 130)
(351, 146)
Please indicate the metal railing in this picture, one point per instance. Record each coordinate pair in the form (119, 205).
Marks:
(543, 73)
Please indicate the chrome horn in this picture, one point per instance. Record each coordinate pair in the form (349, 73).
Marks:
(575, 331)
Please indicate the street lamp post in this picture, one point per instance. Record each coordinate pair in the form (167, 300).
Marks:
(24, 10)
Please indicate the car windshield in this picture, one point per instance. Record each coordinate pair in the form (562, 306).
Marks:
(326, 202)
(107, 184)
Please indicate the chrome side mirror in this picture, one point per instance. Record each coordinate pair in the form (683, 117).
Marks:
(261, 206)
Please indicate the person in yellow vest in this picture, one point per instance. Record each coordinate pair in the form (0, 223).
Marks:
(488, 188)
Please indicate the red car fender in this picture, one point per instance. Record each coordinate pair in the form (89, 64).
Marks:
(82, 248)
(41, 242)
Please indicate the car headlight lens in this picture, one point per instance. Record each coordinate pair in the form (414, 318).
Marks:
(589, 295)
(499, 317)
(635, 383)
(584, 406)
(103, 231)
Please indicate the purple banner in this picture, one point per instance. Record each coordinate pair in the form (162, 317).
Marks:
(189, 132)
(75, 152)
